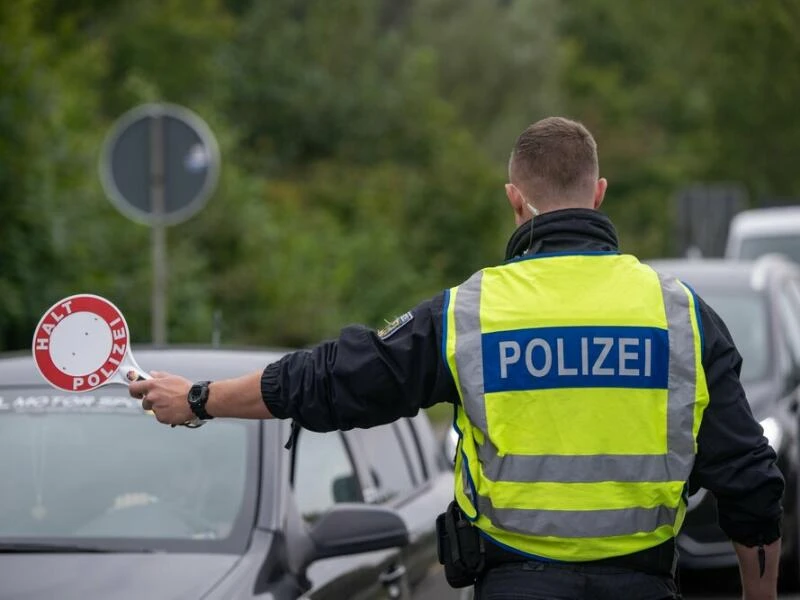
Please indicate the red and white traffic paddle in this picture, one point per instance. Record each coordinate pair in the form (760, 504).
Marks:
(82, 342)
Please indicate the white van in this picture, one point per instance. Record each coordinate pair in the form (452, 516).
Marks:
(753, 233)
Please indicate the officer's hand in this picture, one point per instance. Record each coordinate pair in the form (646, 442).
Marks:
(166, 395)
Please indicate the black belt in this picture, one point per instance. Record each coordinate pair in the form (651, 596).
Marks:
(658, 560)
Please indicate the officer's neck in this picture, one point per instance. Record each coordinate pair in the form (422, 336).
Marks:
(567, 230)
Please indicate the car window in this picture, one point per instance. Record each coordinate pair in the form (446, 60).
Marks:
(789, 309)
(431, 443)
(323, 473)
(413, 447)
(387, 458)
(788, 245)
(745, 314)
(95, 465)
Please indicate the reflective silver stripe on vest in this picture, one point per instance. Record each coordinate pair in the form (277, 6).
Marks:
(574, 469)
(468, 337)
(682, 382)
(578, 523)
(675, 465)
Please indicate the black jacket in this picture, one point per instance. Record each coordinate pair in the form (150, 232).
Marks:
(367, 378)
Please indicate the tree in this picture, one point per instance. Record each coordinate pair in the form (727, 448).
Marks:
(364, 144)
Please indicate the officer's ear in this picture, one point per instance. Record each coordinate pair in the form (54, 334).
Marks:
(517, 201)
(600, 192)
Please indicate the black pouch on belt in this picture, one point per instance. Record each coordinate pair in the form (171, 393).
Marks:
(460, 547)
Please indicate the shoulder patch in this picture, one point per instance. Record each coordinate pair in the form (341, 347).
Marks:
(395, 324)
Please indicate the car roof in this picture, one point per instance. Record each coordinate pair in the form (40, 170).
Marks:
(766, 221)
(18, 369)
(713, 273)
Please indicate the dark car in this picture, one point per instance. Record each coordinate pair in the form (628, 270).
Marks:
(760, 303)
(99, 500)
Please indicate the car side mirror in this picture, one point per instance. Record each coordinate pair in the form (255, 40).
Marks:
(355, 528)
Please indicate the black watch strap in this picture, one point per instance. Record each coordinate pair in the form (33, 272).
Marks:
(198, 397)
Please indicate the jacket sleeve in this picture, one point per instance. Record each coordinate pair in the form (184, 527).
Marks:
(363, 378)
(734, 459)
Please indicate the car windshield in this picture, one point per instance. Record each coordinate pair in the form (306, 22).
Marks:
(745, 314)
(96, 466)
(788, 245)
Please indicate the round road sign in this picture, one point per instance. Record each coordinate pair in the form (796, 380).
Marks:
(159, 164)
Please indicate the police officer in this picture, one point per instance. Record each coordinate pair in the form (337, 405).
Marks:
(590, 391)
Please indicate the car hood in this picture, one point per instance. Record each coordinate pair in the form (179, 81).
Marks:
(118, 576)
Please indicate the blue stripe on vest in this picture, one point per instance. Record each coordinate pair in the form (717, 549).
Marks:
(575, 357)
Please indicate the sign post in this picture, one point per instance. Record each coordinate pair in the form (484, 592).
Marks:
(703, 213)
(159, 166)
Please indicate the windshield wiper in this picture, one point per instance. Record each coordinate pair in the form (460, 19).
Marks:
(47, 547)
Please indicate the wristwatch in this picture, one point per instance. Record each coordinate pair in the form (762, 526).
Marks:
(198, 396)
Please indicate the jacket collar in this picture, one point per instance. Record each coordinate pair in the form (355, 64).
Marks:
(568, 230)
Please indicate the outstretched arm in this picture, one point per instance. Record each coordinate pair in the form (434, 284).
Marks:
(363, 378)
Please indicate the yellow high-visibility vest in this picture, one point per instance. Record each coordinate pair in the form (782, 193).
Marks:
(582, 390)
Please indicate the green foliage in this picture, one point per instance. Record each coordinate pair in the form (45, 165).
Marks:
(47, 129)
(497, 63)
(626, 77)
(363, 143)
(755, 95)
(681, 92)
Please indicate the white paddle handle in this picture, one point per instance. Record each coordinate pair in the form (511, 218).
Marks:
(136, 375)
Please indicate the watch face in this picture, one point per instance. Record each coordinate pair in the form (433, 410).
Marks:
(198, 395)
(195, 393)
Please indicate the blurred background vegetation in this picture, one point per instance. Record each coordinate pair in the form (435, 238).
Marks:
(364, 142)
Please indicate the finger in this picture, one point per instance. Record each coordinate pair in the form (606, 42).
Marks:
(138, 389)
(159, 374)
(147, 404)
